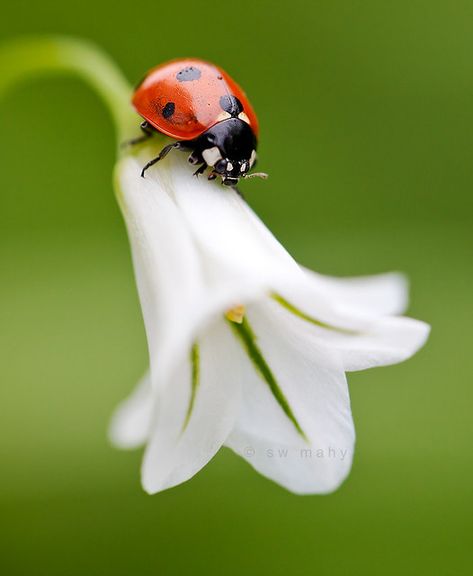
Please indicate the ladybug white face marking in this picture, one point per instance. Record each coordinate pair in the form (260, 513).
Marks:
(229, 166)
(243, 167)
(223, 116)
(211, 156)
(244, 117)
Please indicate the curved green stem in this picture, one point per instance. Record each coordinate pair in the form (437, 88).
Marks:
(23, 58)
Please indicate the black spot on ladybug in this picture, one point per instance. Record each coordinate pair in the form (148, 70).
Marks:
(231, 104)
(168, 110)
(188, 74)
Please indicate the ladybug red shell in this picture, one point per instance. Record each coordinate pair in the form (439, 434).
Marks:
(182, 98)
(205, 111)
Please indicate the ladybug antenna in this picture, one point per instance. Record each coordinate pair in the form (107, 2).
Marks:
(262, 175)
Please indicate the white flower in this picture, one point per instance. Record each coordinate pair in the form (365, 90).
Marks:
(247, 348)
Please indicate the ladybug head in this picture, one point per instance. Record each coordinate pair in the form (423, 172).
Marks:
(231, 170)
(229, 148)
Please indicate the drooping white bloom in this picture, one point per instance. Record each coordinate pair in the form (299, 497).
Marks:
(247, 348)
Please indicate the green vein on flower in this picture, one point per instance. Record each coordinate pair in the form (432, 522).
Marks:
(195, 378)
(248, 338)
(294, 310)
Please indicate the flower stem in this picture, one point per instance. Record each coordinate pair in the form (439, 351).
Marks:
(27, 57)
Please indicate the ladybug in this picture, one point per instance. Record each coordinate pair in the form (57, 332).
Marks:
(206, 112)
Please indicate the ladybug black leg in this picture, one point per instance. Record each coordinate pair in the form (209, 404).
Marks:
(147, 133)
(194, 158)
(164, 152)
(200, 170)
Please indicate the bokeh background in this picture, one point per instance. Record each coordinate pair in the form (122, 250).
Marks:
(367, 133)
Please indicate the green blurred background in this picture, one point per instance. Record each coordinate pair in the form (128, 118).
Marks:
(367, 133)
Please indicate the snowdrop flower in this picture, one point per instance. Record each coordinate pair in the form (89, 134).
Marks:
(247, 349)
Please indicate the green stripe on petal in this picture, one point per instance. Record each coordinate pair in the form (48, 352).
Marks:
(195, 378)
(294, 310)
(248, 339)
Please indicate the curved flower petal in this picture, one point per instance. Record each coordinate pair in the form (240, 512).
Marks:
(195, 413)
(227, 230)
(389, 340)
(165, 259)
(131, 422)
(185, 284)
(380, 295)
(363, 338)
(314, 385)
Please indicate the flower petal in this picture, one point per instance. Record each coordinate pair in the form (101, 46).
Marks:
(182, 285)
(195, 413)
(131, 422)
(167, 266)
(364, 338)
(381, 294)
(389, 340)
(228, 231)
(314, 385)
